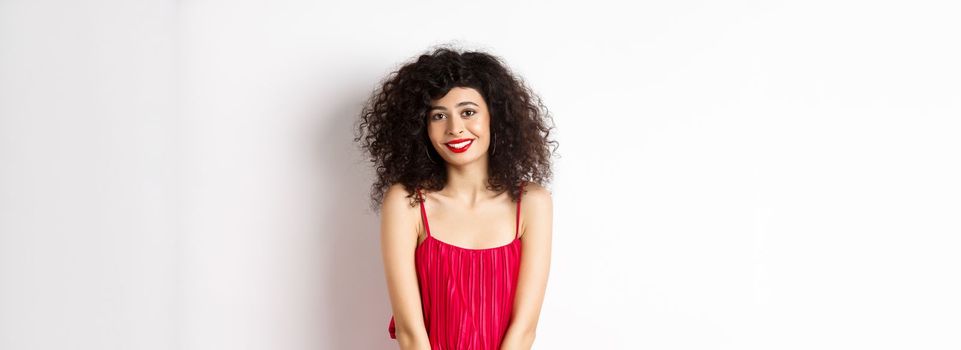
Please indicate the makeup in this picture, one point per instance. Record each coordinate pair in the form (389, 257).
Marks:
(464, 144)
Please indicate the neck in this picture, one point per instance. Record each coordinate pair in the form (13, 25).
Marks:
(467, 183)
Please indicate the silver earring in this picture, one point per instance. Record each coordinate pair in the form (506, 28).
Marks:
(494, 140)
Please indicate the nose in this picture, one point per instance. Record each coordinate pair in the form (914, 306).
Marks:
(456, 126)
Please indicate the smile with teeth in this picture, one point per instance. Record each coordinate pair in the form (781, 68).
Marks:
(459, 147)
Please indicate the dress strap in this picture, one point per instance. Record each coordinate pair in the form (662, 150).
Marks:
(423, 213)
(517, 220)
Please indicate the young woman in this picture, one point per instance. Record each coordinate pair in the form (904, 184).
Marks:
(457, 138)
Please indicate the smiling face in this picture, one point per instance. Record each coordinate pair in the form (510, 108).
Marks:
(460, 115)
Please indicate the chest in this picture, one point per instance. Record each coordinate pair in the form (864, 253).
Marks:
(491, 226)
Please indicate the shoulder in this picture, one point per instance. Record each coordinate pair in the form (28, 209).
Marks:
(399, 211)
(536, 211)
(536, 195)
(398, 199)
(536, 203)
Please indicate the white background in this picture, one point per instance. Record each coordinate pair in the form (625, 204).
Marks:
(731, 175)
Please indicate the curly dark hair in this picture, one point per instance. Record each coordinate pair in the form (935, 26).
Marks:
(393, 123)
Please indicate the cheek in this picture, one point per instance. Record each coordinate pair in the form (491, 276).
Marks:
(434, 132)
(479, 127)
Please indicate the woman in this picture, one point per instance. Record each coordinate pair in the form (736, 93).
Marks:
(456, 138)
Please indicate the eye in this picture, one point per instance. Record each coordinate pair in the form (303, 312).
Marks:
(433, 117)
(471, 112)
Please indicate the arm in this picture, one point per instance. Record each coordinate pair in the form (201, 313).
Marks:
(398, 239)
(537, 221)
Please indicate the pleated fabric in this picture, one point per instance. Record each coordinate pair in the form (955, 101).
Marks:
(467, 294)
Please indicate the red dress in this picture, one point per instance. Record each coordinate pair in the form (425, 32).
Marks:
(466, 294)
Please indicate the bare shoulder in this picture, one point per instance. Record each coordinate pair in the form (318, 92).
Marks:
(398, 208)
(399, 219)
(536, 195)
(397, 196)
(536, 211)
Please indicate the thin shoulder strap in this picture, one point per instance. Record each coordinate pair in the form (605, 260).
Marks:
(423, 213)
(517, 220)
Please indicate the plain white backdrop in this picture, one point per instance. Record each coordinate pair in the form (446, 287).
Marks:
(731, 175)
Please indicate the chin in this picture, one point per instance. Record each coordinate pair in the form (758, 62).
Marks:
(457, 160)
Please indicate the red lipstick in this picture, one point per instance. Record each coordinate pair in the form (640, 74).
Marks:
(463, 148)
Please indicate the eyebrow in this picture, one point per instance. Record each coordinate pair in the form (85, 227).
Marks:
(458, 105)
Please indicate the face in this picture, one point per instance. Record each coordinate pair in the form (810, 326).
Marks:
(459, 115)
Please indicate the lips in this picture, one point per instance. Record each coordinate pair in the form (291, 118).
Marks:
(463, 145)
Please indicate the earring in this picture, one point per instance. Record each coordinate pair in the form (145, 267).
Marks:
(428, 155)
(494, 141)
